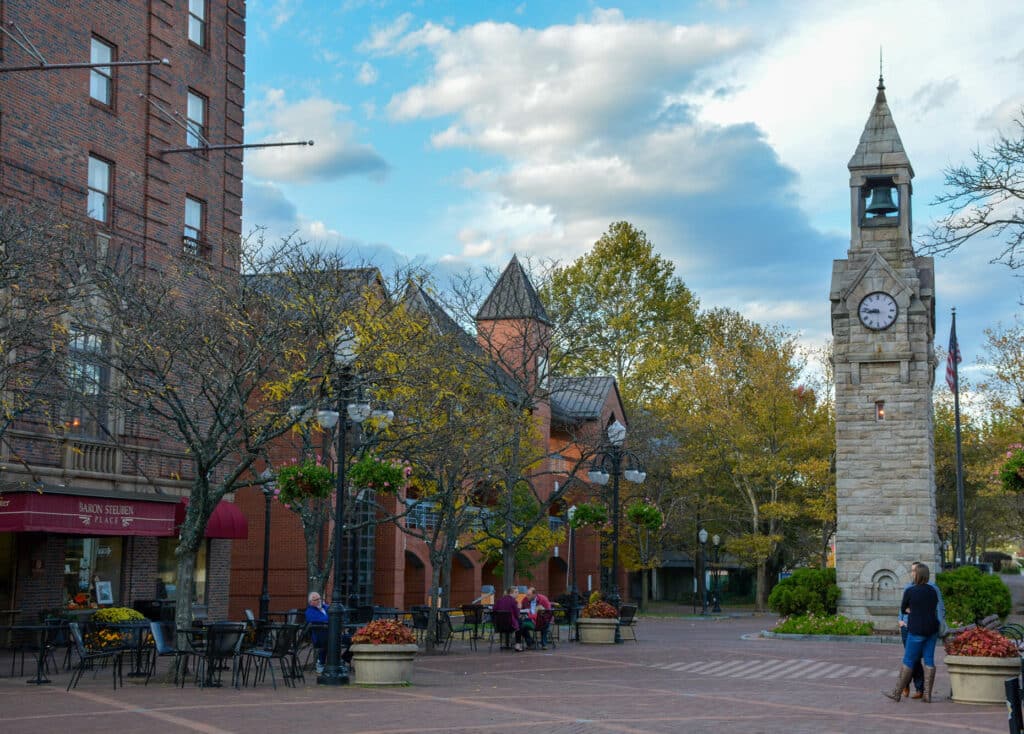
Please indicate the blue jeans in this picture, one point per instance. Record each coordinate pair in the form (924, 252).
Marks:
(918, 676)
(920, 647)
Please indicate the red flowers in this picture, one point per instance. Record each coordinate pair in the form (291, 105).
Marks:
(384, 632)
(979, 642)
(599, 610)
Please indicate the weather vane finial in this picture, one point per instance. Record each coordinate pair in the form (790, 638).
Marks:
(881, 81)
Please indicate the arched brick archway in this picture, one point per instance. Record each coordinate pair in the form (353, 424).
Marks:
(558, 572)
(465, 585)
(415, 580)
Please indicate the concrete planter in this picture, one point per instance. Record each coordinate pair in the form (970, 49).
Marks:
(382, 665)
(597, 631)
(980, 680)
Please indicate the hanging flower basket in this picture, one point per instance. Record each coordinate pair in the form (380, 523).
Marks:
(382, 475)
(306, 481)
(1012, 472)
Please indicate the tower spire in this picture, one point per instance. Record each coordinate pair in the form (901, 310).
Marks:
(880, 97)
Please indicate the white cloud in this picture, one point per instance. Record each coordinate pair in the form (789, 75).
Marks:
(335, 154)
(367, 74)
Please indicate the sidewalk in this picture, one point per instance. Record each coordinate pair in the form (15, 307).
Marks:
(682, 676)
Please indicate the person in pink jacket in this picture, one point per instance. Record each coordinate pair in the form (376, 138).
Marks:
(530, 604)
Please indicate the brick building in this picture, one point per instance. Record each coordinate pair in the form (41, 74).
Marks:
(97, 145)
(390, 568)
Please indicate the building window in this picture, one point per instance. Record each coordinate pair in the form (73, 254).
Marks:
(542, 371)
(193, 235)
(195, 125)
(167, 571)
(88, 561)
(197, 22)
(99, 188)
(88, 383)
(101, 78)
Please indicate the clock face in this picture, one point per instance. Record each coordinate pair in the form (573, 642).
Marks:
(878, 310)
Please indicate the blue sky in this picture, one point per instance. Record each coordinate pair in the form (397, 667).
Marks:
(456, 134)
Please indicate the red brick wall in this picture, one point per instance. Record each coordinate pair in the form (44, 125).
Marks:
(50, 126)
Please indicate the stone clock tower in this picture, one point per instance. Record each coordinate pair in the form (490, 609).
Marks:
(883, 326)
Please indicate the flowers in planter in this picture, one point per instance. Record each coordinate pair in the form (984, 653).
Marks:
(597, 609)
(304, 481)
(383, 475)
(117, 615)
(104, 639)
(981, 642)
(384, 632)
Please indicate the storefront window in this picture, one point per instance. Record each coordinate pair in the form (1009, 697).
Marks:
(92, 561)
(167, 571)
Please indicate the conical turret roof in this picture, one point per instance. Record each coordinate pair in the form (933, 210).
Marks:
(880, 145)
(513, 297)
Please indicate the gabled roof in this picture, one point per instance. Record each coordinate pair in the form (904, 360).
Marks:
(880, 145)
(576, 399)
(418, 300)
(513, 297)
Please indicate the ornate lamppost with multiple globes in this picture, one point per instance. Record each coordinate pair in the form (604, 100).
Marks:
(702, 537)
(335, 671)
(611, 462)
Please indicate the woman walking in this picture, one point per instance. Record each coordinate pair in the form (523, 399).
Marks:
(920, 602)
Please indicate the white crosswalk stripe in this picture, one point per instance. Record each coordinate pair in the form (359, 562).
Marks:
(771, 669)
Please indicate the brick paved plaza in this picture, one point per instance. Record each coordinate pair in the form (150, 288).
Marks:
(685, 675)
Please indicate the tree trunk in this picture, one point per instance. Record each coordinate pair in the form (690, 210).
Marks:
(434, 600)
(761, 598)
(508, 564)
(642, 601)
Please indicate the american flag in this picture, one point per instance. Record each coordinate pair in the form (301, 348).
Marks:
(952, 358)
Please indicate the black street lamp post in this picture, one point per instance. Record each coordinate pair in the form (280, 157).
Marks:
(717, 608)
(268, 496)
(574, 591)
(702, 536)
(612, 462)
(335, 671)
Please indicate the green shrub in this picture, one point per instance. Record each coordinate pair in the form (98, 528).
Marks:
(807, 591)
(1010, 568)
(810, 624)
(971, 595)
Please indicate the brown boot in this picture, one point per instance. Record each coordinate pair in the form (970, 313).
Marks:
(929, 683)
(904, 679)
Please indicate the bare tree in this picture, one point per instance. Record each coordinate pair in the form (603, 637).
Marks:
(985, 199)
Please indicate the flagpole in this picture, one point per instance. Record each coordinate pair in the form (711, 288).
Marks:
(952, 363)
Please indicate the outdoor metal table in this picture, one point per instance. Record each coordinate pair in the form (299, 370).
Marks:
(138, 632)
(41, 634)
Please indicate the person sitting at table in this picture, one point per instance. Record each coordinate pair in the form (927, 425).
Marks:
(530, 604)
(509, 604)
(316, 612)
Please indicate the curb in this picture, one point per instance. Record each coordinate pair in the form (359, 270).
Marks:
(858, 639)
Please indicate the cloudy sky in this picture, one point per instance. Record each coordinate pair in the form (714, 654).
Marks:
(456, 133)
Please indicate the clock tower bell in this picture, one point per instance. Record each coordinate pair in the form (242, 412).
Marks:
(883, 327)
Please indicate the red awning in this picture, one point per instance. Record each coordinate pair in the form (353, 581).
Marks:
(227, 521)
(82, 515)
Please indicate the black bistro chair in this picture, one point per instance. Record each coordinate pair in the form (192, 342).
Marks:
(88, 658)
(627, 622)
(283, 640)
(504, 628)
(473, 616)
(163, 647)
(223, 644)
(420, 620)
